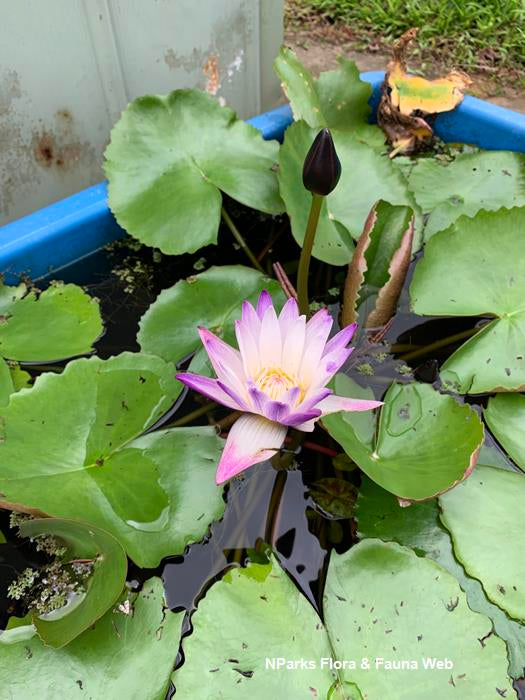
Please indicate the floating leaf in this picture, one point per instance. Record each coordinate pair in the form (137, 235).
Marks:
(380, 601)
(122, 656)
(212, 299)
(6, 383)
(366, 177)
(105, 583)
(418, 527)
(72, 448)
(475, 268)
(60, 322)
(338, 99)
(17, 630)
(379, 264)
(426, 442)
(335, 496)
(505, 415)
(484, 520)
(170, 157)
(471, 182)
(12, 379)
(383, 601)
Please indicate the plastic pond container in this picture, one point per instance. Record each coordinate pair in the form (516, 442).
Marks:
(40, 244)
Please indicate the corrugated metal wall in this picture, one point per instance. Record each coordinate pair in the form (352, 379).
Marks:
(68, 67)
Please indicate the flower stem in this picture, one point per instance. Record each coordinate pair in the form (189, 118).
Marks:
(240, 240)
(306, 253)
(274, 507)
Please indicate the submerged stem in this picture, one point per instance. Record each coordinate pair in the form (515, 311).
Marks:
(306, 253)
(197, 413)
(240, 240)
(441, 343)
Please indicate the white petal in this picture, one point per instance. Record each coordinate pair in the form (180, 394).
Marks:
(317, 331)
(293, 346)
(252, 439)
(332, 404)
(270, 346)
(248, 348)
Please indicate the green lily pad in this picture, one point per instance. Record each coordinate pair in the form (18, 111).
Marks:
(17, 630)
(338, 99)
(105, 583)
(6, 383)
(473, 181)
(63, 321)
(270, 619)
(484, 519)
(379, 515)
(121, 656)
(475, 269)
(426, 442)
(72, 448)
(505, 415)
(381, 601)
(212, 299)
(170, 158)
(366, 176)
(12, 379)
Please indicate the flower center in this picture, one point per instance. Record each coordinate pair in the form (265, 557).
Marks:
(275, 382)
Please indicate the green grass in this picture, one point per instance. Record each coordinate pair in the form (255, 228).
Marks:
(470, 32)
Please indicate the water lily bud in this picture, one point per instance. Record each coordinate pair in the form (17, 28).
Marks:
(322, 169)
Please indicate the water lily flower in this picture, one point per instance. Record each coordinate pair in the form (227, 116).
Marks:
(277, 379)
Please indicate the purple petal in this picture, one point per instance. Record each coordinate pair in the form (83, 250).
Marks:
(264, 303)
(291, 396)
(233, 395)
(249, 317)
(208, 387)
(276, 411)
(264, 406)
(341, 339)
(252, 439)
(258, 398)
(295, 419)
(225, 361)
(313, 397)
(332, 404)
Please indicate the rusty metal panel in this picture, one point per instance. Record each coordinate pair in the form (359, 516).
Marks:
(68, 67)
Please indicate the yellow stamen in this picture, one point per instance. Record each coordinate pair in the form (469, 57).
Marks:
(275, 382)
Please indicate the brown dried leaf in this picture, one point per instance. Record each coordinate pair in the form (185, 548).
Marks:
(356, 272)
(388, 296)
(379, 264)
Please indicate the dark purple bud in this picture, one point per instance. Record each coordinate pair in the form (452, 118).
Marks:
(322, 169)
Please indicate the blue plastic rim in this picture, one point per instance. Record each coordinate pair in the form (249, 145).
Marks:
(40, 244)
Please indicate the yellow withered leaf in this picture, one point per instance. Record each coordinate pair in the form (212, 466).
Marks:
(411, 92)
(407, 99)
